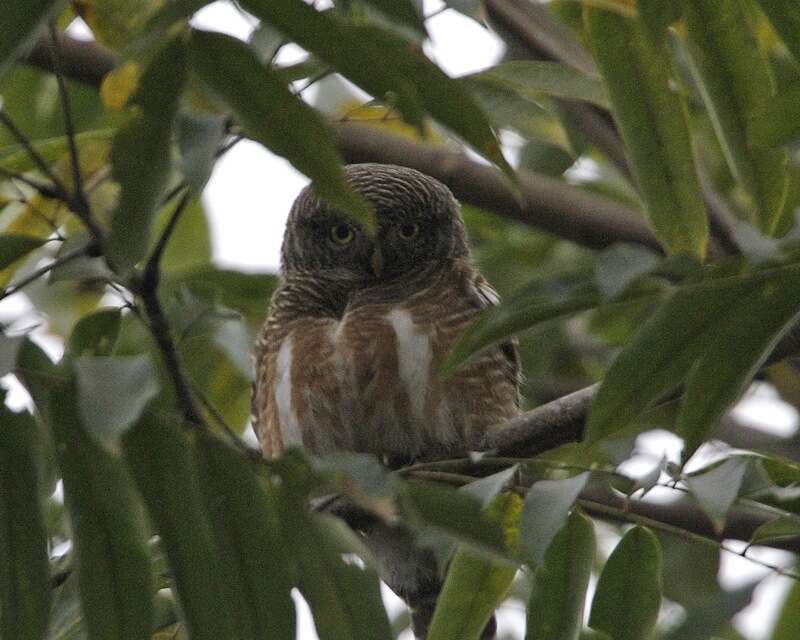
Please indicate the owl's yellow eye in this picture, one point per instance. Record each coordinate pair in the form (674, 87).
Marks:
(409, 230)
(342, 234)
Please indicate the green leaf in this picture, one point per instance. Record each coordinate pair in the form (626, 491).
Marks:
(555, 609)
(780, 528)
(733, 355)
(112, 562)
(486, 489)
(620, 265)
(113, 392)
(343, 594)
(785, 18)
(140, 155)
(95, 334)
(413, 84)
(547, 506)
(628, 595)
(653, 122)
(457, 514)
(200, 137)
(717, 489)
(24, 568)
(658, 15)
(708, 617)
(735, 82)
(270, 113)
(663, 351)
(536, 303)
(16, 246)
(19, 23)
(402, 12)
(245, 522)
(462, 611)
(9, 350)
(535, 79)
(787, 626)
(777, 122)
(161, 458)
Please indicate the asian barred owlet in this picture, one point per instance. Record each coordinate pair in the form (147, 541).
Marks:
(348, 358)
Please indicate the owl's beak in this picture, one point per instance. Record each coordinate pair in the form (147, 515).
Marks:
(377, 262)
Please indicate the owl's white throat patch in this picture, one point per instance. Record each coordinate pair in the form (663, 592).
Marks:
(290, 429)
(413, 358)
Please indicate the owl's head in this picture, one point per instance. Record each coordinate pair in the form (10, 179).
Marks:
(418, 225)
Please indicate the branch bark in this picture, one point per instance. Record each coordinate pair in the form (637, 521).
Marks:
(548, 204)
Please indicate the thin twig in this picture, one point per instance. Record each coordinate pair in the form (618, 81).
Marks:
(313, 80)
(623, 514)
(151, 269)
(38, 273)
(38, 160)
(69, 126)
(43, 189)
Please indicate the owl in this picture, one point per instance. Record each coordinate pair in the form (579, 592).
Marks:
(349, 356)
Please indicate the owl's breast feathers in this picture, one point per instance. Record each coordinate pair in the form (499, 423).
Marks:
(366, 379)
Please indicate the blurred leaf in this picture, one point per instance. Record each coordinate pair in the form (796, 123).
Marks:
(653, 122)
(733, 355)
(200, 137)
(15, 246)
(274, 116)
(683, 329)
(777, 122)
(9, 349)
(457, 514)
(787, 627)
(67, 617)
(189, 246)
(620, 265)
(784, 15)
(555, 609)
(24, 568)
(535, 303)
(628, 594)
(657, 15)
(19, 23)
(547, 506)
(780, 528)
(690, 570)
(735, 83)
(16, 158)
(113, 392)
(402, 12)
(95, 334)
(545, 158)
(111, 557)
(412, 82)
(247, 293)
(342, 591)
(717, 489)
(245, 524)
(462, 611)
(114, 21)
(536, 78)
(649, 479)
(266, 42)
(486, 489)
(140, 155)
(709, 617)
(162, 461)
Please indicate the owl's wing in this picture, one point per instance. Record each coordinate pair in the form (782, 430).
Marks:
(486, 296)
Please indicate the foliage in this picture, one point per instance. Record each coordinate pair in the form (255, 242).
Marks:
(131, 508)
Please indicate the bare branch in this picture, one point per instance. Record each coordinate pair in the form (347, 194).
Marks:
(58, 189)
(549, 204)
(44, 270)
(82, 61)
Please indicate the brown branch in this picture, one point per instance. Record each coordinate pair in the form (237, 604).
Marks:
(547, 203)
(82, 61)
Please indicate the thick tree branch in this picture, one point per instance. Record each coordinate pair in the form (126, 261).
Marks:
(549, 204)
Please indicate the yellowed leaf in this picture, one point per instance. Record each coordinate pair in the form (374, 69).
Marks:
(119, 85)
